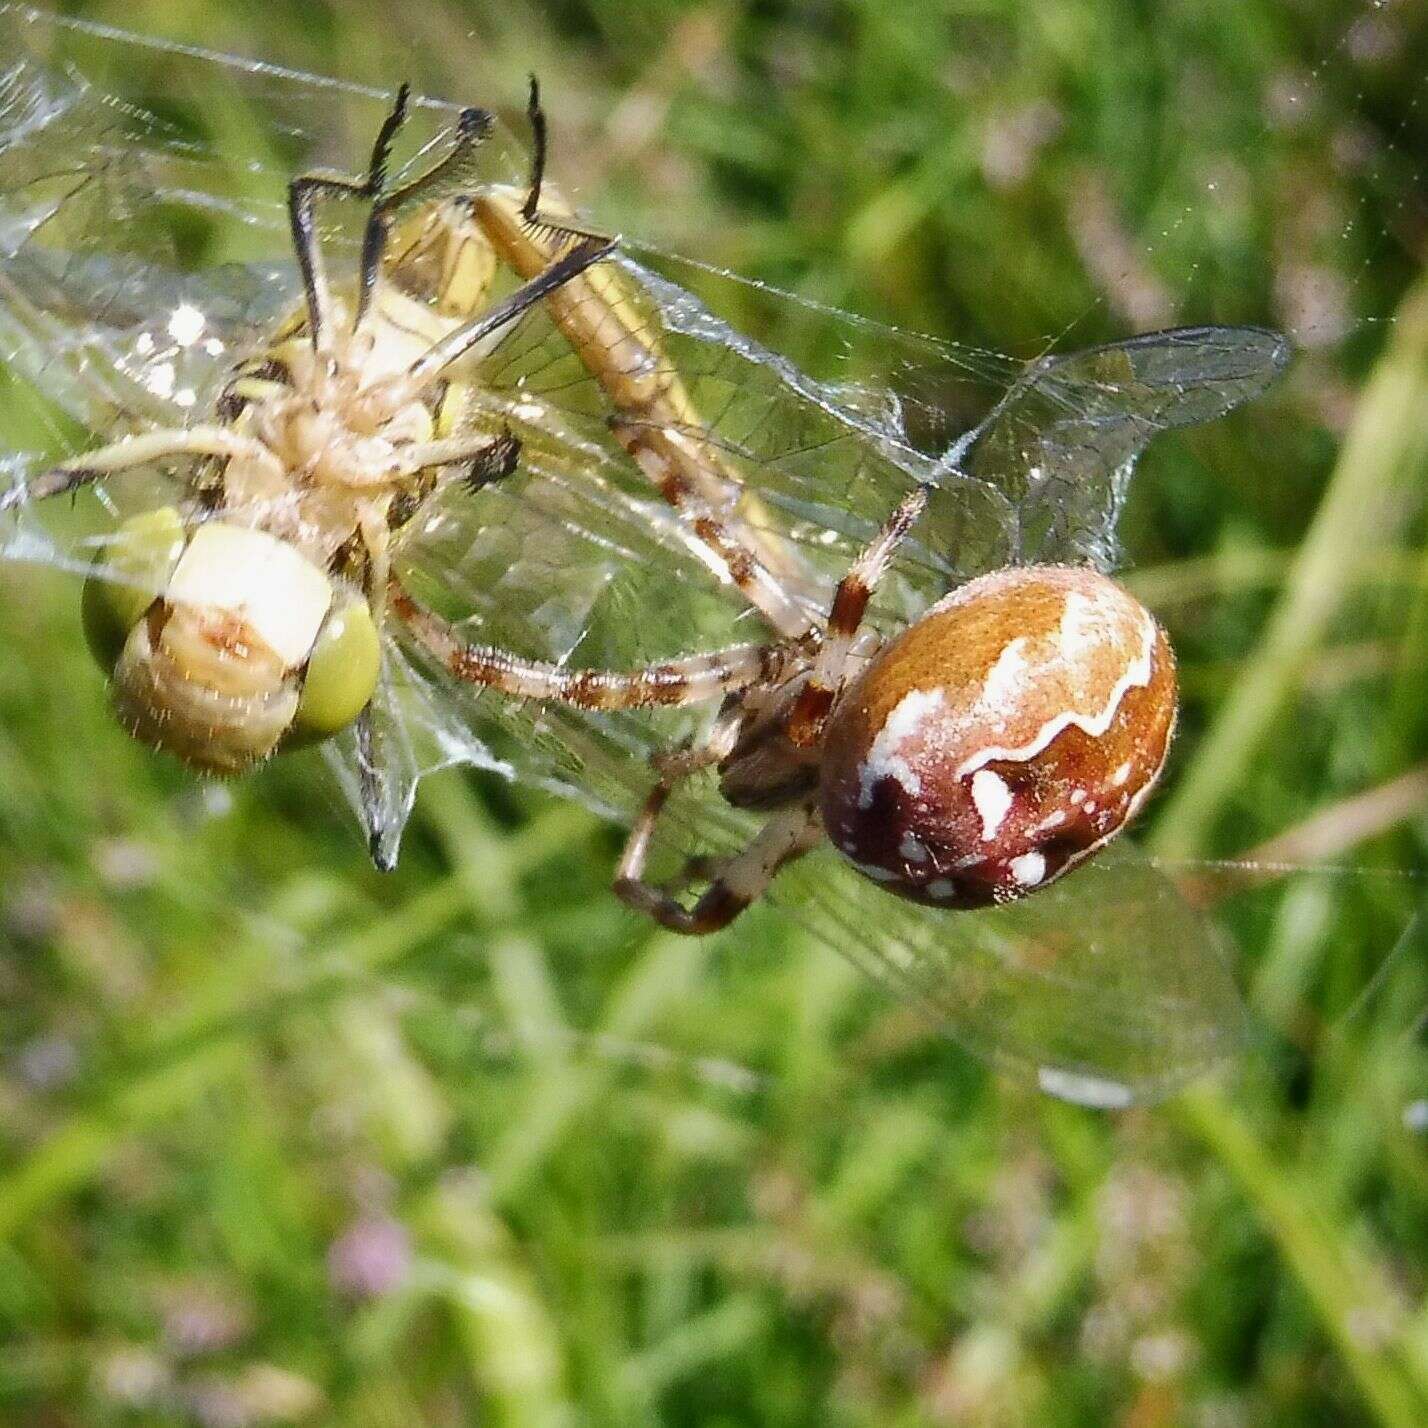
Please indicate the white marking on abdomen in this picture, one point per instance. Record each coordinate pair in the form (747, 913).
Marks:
(1082, 624)
(1006, 676)
(1094, 726)
(992, 799)
(883, 760)
(1029, 869)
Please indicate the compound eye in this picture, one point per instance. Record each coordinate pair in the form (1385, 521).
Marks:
(341, 673)
(130, 573)
(1001, 739)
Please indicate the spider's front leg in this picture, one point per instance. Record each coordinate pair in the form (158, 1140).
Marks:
(810, 711)
(690, 680)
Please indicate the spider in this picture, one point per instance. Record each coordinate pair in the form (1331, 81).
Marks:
(994, 744)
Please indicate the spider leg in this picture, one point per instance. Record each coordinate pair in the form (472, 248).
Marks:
(736, 881)
(673, 767)
(673, 682)
(674, 466)
(845, 616)
(134, 451)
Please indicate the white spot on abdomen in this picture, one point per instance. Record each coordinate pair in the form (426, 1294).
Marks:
(1029, 869)
(992, 799)
(884, 760)
(1006, 677)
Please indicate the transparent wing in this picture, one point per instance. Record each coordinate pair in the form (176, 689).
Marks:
(108, 336)
(1105, 988)
(1040, 479)
(1063, 442)
(105, 330)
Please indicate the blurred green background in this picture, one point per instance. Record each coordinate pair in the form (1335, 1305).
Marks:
(285, 1141)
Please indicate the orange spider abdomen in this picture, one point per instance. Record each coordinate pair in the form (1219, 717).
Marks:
(1001, 739)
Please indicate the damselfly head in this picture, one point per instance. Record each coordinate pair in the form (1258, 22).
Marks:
(1002, 738)
(224, 642)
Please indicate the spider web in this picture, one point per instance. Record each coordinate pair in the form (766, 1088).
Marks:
(609, 565)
